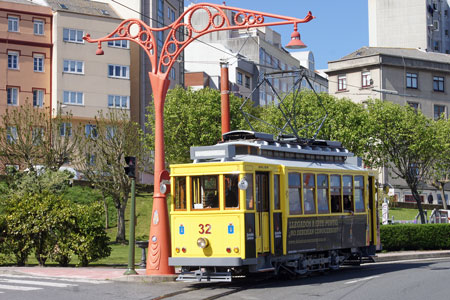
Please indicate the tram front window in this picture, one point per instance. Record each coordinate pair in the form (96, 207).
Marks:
(231, 191)
(205, 192)
(180, 193)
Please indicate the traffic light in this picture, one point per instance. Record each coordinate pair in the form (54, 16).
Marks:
(130, 169)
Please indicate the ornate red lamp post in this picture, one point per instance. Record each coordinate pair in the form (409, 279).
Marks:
(137, 31)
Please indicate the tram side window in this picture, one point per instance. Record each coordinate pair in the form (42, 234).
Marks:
(359, 194)
(309, 193)
(180, 193)
(250, 203)
(347, 182)
(295, 206)
(205, 192)
(322, 194)
(231, 191)
(335, 193)
(276, 191)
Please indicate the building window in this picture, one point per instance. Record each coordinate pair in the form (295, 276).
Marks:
(116, 101)
(411, 80)
(170, 14)
(65, 129)
(38, 63)
(38, 27)
(366, 80)
(438, 84)
(73, 66)
(91, 131)
(38, 98)
(13, 24)
(439, 112)
(37, 135)
(11, 134)
(12, 96)
(247, 81)
(72, 35)
(118, 43)
(117, 71)
(110, 132)
(13, 60)
(342, 82)
(172, 74)
(239, 78)
(73, 97)
(414, 105)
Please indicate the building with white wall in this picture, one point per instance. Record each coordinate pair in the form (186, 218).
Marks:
(423, 24)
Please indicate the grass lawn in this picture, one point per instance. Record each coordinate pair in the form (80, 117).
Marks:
(401, 214)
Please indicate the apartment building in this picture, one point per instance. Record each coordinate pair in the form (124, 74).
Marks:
(84, 83)
(25, 55)
(404, 76)
(423, 24)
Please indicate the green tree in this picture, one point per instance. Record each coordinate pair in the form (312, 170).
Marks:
(344, 122)
(193, 118)
(403, 140)
(440, 174)
(101, 159)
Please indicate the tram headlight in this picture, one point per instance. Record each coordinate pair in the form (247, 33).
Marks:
(202, 242)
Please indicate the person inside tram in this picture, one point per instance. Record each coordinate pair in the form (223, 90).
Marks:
(348, 205)
(211, 201)
(231, 191)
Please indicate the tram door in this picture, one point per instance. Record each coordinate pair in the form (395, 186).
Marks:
(262, 212)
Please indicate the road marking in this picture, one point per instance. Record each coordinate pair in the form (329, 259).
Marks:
(43, 283)
(361, 279)
(76, 279)
(19, 288)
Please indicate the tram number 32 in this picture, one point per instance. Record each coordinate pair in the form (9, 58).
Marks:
(204, 228)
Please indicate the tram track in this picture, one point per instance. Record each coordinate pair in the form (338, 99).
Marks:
(232, 288)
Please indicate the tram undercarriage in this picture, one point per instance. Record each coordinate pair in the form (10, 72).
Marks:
(288, 265)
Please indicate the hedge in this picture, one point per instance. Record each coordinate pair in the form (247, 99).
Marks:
(415, 237)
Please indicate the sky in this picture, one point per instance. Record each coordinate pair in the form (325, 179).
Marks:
(340, 26)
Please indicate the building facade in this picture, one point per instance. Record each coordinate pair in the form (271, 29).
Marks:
(403, 76)
(423, 24)
(25, 55)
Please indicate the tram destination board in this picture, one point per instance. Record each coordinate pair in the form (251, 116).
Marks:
(306, 234)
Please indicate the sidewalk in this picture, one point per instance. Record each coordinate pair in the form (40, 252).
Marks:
(116, 274)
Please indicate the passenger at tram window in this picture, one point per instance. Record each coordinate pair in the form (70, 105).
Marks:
(335, 193)
(231, 191)
(308, 193)
(348, 193)
(211, 200)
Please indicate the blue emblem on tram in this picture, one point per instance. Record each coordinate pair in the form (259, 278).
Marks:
(181, 229)
(230, 228)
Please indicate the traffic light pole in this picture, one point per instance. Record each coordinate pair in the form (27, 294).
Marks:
(131, 248)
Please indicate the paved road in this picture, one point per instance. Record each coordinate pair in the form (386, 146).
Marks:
(414, 279)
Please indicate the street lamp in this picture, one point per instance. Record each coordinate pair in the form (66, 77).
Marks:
(137, 31)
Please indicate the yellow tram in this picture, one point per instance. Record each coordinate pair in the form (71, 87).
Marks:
(255, 204)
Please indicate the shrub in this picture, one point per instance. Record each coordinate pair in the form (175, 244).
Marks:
(89, 239)
(52, 227)
(415, 237)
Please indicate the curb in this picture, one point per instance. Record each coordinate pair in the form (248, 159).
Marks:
(410, 255)
(146, 278)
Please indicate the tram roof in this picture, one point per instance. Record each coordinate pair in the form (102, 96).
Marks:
(262, 145)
